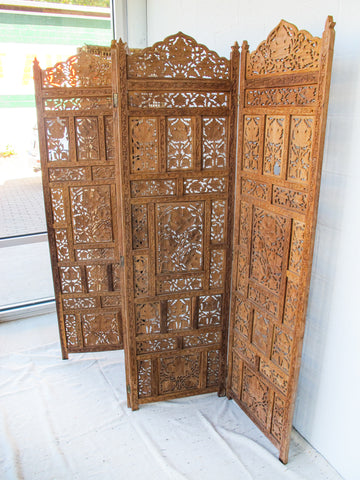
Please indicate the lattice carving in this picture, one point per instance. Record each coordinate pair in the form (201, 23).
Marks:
(179, 144)
(62, 245)
(139, 222)
(218, 223)
(301, 134)
(100, 329)
(178, 56)
(214, 142)
(83, 70)
(176, 99)
(180, 237)
(141, 275)
(77, 103)
(282, 96)
(71, 280)
(97, 278)
(213, 370)
(152, 188)
(268, 248)
(204, 185)
(71, 328)
(261, 331)
(57, 135)
(175, 285)
(289, 198)
(251, 156)
(87, 138)
(274, 144)
(178, 314)
(144, 149)
(156, 345)
(147, 318)
(79, 303)
(179, 373)
(144, 378)
(243, 318)
(210, 309)
(69, 174)
(286, 50)
(217, 268)
(92, 221)
(58, 206)
(255, 395)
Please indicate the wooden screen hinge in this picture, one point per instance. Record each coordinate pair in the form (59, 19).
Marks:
(128, 389)
(115, 100)
(122, 261)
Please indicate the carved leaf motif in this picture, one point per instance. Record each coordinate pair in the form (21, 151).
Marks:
(178, 56)
(290, 198)
(87, 138)
(100, 329)
(179, 373)
(218, 211)
(261, 331)
(286, 49)
(179, 143)
(268, 248)
(57, 137)
(217, 268)
(83, 70)
(195, 282)
(180, 237)
(91, 214)
(214, 142)
(301, 141)
(97, 278)
(178, 314)
(58, 207)
(255, 395)
(147, 318)
(274, 145)
(204, 185)
(282, 348)
(144, 378)
(71, 334)
(62, 245)
(210, 308)
(71, 280)
(273, 97)
(141, 275)
(243, 318)
(139, 226)
(251, 154)
(213, 368)
(178, 99)
(77, 103)
(144, 144)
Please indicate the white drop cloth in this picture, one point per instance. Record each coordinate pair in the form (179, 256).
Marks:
(69, 420)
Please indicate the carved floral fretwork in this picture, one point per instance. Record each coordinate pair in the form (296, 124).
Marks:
(286, 49)
(178, 56)
(83, 70)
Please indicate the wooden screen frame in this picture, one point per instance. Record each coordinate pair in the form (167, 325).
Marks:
(85, 273)
(286, 80)
(130, 74)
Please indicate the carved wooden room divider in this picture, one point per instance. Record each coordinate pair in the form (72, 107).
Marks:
(191, 234)
(75, 121)
(283, 105)
(177, 128)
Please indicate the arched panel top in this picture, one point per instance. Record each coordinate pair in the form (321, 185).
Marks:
(91, 67)
(178, 56)
(286, 50)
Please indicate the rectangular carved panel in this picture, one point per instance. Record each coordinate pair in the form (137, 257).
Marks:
(283, 102)
(76, 128)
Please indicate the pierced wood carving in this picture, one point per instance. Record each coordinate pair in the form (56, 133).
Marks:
(281, 137)
(176, 169)
(74, 105)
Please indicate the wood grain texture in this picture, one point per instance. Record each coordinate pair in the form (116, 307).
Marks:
(75, 121)
(280, 148)
(176, 127)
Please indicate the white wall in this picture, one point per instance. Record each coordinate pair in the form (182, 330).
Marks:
(327, 411)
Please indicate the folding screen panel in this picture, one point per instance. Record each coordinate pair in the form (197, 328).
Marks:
(74, 105)
(177, 127)
(283, 105)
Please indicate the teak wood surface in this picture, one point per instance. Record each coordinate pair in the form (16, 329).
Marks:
(75, 123)
(145, 212)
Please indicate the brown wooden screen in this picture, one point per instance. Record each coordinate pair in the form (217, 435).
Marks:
(283, 105)
(177, 129)
(74, 105)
